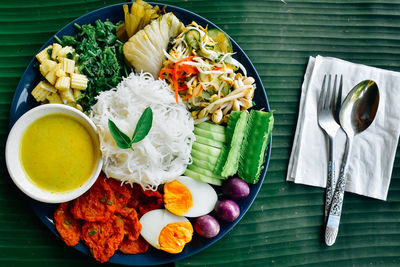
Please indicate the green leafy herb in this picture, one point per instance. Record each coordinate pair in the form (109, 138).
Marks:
(142, 129)
(91, 233)
(143, 126)
(67, 222)
(101, 58)
(123, 141)
(103, 199)
(109, 202)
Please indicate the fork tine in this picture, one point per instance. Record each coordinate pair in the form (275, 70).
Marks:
(339, 99)
(322, 95)
(333, 99)
(328, 94)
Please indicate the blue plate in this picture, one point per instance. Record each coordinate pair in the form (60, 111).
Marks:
(23, 101)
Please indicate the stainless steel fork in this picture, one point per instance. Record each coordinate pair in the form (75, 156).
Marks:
(328, 119)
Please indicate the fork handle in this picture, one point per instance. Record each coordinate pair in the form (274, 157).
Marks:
(331, 181)
(335, 212)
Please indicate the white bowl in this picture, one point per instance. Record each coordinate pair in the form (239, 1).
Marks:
(13, 161)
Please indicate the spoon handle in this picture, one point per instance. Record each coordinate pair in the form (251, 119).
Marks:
(332, 225)
(330, 182)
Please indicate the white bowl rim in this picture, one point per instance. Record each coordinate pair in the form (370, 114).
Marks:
(15, 169)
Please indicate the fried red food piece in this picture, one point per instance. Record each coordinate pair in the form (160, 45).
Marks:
(144, 201)
(69, 228)
(132, 226)
(134, 247)
(98, 204)
(103, 238)
(122, 193)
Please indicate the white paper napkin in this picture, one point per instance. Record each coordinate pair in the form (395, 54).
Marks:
(373, 152)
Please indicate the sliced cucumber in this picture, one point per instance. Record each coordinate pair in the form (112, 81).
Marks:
(206, 149)
(205, 157)
(204, 172)
(215, 128)
(212, 135)
(203, 178)
(226, 90)
(209, 142)
(255, 143)
(202, 164)
(221, 39)
(232, 62)
(192, 38)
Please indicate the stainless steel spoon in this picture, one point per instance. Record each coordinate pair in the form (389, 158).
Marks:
(357, 113)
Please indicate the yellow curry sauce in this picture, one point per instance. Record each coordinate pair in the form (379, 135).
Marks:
(58, 153)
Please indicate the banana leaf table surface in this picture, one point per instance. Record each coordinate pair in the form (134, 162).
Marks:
(283, 226)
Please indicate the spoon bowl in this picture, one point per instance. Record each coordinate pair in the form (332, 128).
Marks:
(359, 108)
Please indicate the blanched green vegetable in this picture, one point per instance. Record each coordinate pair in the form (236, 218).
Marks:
(255, 143)
(100, 58)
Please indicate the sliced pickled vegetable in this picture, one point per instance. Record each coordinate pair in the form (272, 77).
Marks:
(221, 39)
(192, 38)
(255, 143)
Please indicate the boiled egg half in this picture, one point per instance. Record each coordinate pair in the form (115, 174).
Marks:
(187, 197)
(166, 231)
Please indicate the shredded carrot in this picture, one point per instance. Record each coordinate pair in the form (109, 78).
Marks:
(201, 89)
(183, 88)
(218, 68)
(163, 71)
(175, 76)
(187, 97)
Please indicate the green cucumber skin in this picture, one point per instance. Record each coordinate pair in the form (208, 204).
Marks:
(192, 38)
(202, 178)
(211, 159)
(215, 136)
(230, 128)
(227, 45)
(211, 127)
(221, 160)
(255, 144)
(232, 162)
(204, 172)
(208, 142)
(206, 149)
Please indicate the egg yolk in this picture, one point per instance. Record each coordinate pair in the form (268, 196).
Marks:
(177, 198)
(174, 236)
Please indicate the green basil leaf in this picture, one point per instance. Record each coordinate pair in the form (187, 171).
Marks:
(122, 140)
(143, 126)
